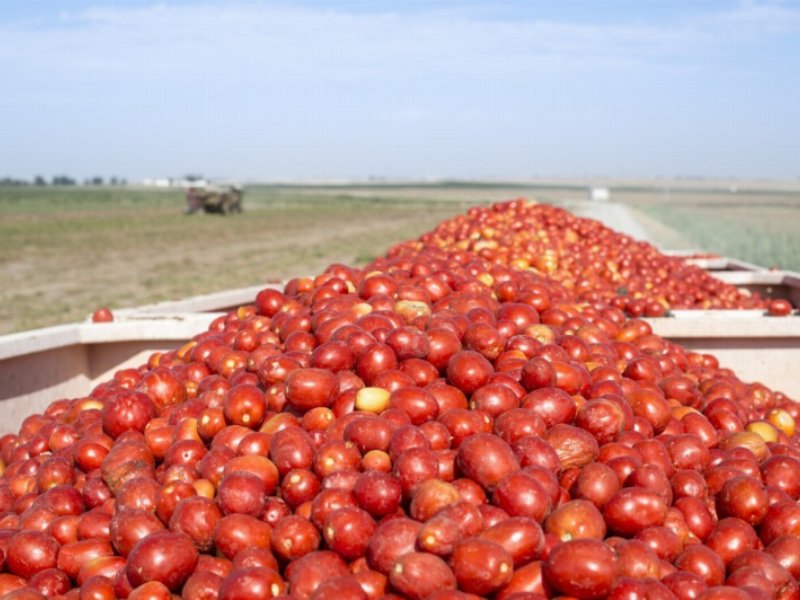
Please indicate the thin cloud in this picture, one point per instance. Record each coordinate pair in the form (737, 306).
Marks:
(768, 14)
(193, 39)
(406, 115)
(306, 88)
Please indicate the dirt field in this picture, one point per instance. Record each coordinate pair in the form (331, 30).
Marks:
(66, 251)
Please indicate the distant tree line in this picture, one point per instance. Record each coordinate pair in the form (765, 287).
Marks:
(40, 181)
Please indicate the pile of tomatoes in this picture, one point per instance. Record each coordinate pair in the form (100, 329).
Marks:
(593, 261)
(454, 421)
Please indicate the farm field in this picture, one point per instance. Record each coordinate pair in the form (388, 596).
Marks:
(765, 231)
(66, 251)
(759, 223)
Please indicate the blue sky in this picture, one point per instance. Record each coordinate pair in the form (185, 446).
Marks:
(275, 90)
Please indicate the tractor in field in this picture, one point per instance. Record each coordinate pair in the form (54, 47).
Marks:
(214, 201)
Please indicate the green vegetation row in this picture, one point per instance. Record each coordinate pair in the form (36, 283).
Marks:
(771, 240)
